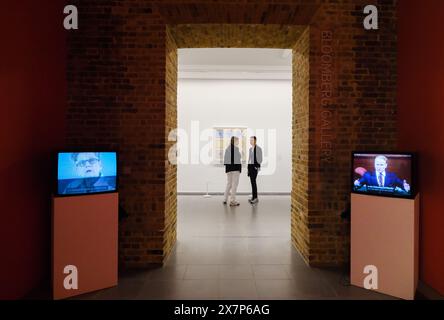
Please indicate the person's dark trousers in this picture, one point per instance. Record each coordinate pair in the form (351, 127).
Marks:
(252, 172)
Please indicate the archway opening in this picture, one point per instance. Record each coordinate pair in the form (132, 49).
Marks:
(245, 36)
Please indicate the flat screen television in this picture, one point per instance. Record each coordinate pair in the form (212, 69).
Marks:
(384, 174)
(80, 173)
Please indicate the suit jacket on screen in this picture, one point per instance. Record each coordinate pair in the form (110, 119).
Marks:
(391, 180)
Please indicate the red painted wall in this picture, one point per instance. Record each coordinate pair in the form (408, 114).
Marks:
(421, 121)
(32, 113)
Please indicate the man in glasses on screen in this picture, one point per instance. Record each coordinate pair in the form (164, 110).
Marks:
(380, 178)
(88, 168)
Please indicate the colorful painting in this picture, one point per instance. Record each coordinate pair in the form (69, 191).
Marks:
(222, 137)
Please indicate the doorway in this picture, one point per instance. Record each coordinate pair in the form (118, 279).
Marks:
(223, 93)
(246, 36)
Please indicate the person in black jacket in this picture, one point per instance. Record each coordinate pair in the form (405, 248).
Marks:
(254, 165)
(233, 168)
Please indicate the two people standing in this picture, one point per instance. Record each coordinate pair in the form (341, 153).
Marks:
(233, 169)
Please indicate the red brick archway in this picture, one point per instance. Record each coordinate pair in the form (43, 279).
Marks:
(245, 36)
(118, 98)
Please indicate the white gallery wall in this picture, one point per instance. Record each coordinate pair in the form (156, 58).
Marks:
(263, 106)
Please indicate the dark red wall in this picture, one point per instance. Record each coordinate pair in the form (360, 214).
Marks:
(421, 121)
(32, 113)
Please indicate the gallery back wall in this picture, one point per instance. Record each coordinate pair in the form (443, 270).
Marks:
(262, 105)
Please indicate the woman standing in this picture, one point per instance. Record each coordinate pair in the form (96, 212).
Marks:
(233, 168)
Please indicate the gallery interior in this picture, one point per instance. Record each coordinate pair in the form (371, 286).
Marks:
(159, 83)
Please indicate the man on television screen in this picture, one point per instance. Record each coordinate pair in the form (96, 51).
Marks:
(381, 178)
(89, 170)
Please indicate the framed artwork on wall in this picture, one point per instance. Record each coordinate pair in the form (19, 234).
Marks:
(221, 141)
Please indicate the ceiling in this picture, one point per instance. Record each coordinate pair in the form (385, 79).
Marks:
(235, 63)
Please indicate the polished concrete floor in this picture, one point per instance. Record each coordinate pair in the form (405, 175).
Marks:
(240, 252)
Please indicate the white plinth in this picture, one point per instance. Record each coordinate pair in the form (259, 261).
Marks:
(384, 233)
(85, 235)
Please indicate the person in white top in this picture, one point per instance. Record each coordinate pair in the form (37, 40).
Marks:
(233, 168)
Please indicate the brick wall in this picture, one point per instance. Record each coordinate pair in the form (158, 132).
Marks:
(352, 107)
(116, 88)
(170, 150)
(300, 232)
(121, 84)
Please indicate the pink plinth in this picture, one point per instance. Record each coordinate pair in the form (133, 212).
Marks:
(84, 234)
(384, 233)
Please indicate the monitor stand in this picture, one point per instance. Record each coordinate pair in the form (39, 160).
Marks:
(384, 238)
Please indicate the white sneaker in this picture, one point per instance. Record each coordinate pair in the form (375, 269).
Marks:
(254, 201)
(234, 204)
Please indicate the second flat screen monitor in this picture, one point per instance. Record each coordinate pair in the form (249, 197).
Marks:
(384, 174)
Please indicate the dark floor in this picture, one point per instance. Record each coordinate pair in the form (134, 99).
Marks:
(243, 252)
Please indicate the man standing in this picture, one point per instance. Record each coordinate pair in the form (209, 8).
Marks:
(254, 165)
